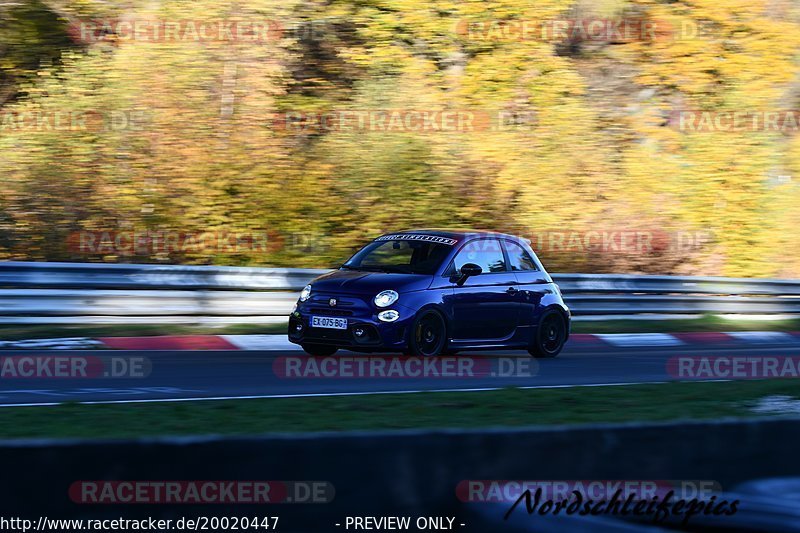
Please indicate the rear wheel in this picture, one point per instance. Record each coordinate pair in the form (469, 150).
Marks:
(319, 350)
(550, 337)
(428, 335)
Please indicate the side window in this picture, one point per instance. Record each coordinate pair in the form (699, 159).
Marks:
(519, 258)
(486, 253)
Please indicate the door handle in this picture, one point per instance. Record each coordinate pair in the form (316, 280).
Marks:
(512, 290)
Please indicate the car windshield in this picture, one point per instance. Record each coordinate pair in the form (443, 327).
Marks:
(399, 256)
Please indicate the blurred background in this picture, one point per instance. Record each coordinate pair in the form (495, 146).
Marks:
(619, 136)
(232, 124)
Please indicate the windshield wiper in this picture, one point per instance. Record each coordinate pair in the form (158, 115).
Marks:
(365, 268)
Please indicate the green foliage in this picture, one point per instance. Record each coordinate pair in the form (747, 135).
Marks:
(577, 136)
(31, 35)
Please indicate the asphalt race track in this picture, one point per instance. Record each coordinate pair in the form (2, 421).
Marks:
(198, 375)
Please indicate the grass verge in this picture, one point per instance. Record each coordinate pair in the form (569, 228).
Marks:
(679, 325)
(21, 332)
(507, 407)
(706, 323)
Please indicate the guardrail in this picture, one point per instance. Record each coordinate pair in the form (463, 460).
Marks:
(418, 473)
(114, 293)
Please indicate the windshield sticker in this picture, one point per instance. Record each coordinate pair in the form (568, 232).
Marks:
(418, 237)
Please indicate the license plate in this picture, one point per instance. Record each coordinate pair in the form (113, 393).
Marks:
(328, 322)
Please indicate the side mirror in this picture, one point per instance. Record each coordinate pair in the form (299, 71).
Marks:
(467, 271)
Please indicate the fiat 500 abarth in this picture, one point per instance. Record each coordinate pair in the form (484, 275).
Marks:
(430, 292)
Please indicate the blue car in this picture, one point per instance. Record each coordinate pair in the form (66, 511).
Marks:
(432, 292)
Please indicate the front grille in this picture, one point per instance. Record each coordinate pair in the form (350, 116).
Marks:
(342, 302)
(336, 336)
(330, 312)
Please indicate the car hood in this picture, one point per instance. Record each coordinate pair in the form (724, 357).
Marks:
(358, 282)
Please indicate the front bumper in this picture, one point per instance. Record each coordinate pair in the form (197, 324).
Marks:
(364, 330)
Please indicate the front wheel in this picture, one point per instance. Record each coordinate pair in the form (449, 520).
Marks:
(550, 337)
(319, 350)
(428, 335)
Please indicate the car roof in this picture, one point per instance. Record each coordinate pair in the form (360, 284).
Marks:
(457, 234)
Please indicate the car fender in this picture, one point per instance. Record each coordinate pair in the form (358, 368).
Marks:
(561, 308)
(419, 301)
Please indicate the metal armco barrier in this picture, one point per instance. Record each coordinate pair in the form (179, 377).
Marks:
(417, 473)
(116, 293)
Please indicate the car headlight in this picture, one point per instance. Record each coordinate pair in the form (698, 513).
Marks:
(388, 316)
(386, 298)
(305, 294)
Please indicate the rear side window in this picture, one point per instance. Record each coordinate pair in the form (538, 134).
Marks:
(485, 253)
(519, 258)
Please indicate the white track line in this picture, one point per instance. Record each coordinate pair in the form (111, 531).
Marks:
(333, 394)
(763, 337)
(640, 339)
(261, 342)
(71, 343)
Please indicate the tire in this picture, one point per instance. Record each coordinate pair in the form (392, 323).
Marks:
(319, 350)
(428, 335)
(550, 335)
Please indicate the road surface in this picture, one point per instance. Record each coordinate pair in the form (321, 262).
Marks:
(202, 375)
